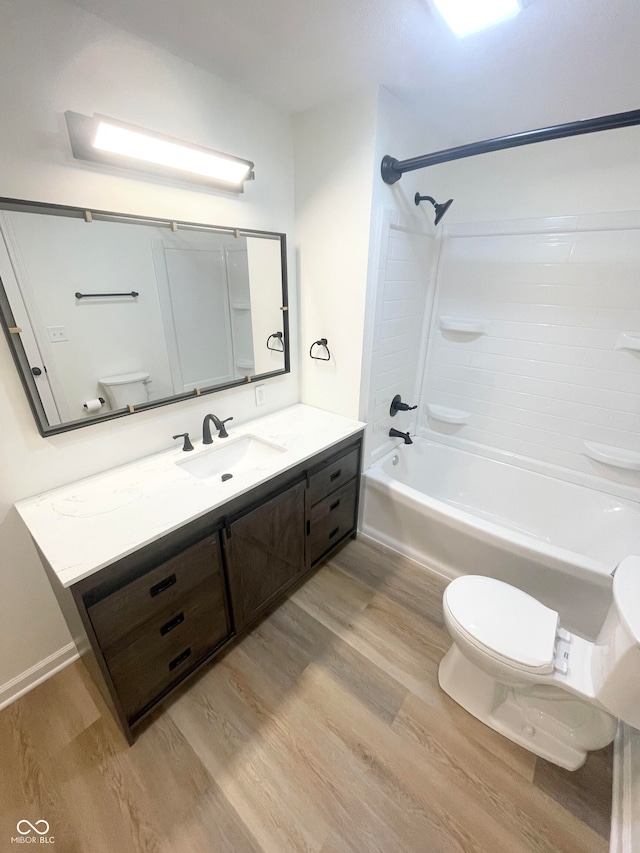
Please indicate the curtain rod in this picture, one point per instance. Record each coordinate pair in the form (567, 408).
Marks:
(392, 169)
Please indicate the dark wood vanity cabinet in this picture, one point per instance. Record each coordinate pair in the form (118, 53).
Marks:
(147, 622)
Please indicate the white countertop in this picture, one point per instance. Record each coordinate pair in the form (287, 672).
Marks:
(87, 525)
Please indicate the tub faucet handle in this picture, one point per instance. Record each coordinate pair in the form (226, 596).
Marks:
(398, 406)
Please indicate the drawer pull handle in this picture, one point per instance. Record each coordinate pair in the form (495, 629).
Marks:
(333, 532)
(335, 475)
(179, 619)
(180, 659)
(160, 587)
(334, 505)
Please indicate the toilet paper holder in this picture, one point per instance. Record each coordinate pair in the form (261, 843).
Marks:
(85, 404)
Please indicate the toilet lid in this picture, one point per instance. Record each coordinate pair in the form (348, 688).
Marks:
(124, 378)
(507, 622)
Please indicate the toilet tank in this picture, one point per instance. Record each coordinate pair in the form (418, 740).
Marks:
(125, 389)
(616, 658)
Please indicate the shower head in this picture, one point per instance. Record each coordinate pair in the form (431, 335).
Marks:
(440, 209)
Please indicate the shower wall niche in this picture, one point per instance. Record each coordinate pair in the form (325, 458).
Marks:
(534, 346)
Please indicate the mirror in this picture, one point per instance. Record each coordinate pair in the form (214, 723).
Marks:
(109, 314)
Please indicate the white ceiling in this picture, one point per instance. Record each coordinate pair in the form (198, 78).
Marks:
(559, 60)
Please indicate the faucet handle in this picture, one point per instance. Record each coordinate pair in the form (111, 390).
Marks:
(222, 428)
(398, 406)
(187, 441)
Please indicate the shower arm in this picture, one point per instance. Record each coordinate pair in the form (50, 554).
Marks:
(392, 169)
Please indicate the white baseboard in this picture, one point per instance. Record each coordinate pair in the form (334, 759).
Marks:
(625, 815)
(30, 678)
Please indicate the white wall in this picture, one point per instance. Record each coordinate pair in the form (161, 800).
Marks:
(349, 293)
(334, 162)
(56, 58)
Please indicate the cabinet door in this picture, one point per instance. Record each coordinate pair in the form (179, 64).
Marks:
(265, 553)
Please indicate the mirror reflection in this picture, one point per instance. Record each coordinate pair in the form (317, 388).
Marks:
(117, 312)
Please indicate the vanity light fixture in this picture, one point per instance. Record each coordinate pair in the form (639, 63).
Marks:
(465, 17)
(115, 143)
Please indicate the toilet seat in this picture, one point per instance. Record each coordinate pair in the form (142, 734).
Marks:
(503, 622)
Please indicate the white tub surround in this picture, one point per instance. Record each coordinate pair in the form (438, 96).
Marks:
(552, 370)
(460, 513)
(84, 526)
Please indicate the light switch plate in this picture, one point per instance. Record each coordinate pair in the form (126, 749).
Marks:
(260, 397)
(57, 333)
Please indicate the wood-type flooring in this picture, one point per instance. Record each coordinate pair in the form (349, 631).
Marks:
(323, 730)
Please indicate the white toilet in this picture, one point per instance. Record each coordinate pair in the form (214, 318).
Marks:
(515, 668)
(126, 389)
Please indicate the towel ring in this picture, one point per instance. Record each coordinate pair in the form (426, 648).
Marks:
(321, 343)
(278, 336)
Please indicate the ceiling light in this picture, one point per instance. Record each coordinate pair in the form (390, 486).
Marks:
(105, 140)
(468, 16)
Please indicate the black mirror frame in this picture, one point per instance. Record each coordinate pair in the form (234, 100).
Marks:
(12, 332)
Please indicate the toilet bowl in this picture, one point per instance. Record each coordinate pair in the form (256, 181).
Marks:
(514, 667)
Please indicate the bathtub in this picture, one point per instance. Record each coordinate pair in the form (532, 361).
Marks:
(459, 513)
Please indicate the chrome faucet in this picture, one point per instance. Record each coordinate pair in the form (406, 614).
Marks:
(219, 425)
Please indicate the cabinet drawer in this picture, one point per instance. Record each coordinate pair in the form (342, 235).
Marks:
(331, 519)
(332, 475)
(168, 646)
(133, 604)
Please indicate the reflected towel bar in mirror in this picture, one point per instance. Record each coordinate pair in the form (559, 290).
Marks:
(132, 293)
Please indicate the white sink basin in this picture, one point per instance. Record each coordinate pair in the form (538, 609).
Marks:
(236, 456)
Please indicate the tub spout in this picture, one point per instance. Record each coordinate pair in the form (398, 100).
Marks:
(395, 433)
